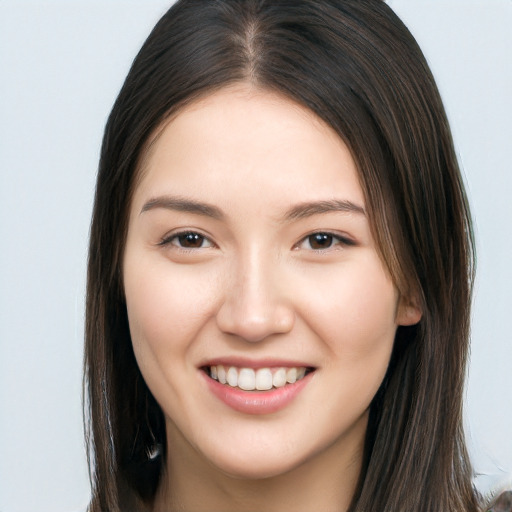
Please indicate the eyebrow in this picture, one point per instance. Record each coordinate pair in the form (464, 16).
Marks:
(309, 209)
(182, 204)
(300, 211)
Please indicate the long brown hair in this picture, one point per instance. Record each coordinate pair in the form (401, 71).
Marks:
(355, 65)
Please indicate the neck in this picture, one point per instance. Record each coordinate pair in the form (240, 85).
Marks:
(327, 482)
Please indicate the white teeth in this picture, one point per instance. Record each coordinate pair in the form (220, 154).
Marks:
(262, 379)
(291, 375)
(232, 377)
(246, 379)
(221, 374)
(279, 378)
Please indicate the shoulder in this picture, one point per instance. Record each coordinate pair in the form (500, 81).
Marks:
(503, 503)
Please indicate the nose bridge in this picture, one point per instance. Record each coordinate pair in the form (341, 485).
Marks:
(255, 304)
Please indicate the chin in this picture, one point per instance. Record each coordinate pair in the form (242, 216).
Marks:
(255, 471)
(259, 465)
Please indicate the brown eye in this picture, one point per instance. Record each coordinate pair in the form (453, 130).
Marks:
(320, 241)
(323, 241)
(188, 240)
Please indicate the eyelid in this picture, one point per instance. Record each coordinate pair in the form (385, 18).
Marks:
(169, 237)
(342, 239)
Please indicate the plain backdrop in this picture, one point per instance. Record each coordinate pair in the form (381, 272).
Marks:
(61, 66)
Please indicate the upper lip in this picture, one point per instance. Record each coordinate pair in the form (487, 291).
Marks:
(243, 362)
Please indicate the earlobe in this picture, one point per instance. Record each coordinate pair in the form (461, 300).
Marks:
(409, 313)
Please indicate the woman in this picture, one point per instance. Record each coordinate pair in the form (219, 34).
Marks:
(280, 269)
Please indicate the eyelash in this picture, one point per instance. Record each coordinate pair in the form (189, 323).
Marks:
(168, 240)
(335, 239)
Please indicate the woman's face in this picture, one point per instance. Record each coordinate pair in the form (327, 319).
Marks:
(249, 254)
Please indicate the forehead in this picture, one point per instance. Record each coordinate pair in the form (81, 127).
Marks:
(238, 141)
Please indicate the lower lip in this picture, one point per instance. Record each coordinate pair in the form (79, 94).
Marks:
(256, 402)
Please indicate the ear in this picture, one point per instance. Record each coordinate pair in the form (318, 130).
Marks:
(409, 313)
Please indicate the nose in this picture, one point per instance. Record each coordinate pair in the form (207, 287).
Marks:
(256, 303)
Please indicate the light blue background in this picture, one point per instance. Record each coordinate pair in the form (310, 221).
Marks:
(61, 66)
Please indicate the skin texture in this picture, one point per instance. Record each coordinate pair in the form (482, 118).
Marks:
(255, 286)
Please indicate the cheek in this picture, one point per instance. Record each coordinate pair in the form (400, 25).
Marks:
(355, 312)
(167, 305)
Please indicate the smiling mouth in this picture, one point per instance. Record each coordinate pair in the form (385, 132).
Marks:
(262, 379)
